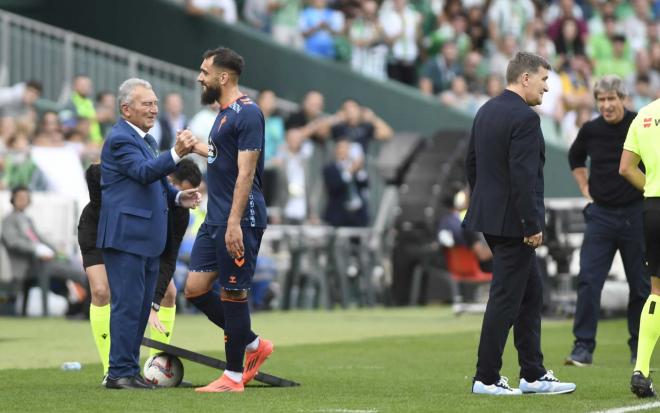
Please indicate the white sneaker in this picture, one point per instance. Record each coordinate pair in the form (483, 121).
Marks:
(548, 384)
(501, 388)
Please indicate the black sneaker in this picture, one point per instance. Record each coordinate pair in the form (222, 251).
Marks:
(580, 356)
(641, 386)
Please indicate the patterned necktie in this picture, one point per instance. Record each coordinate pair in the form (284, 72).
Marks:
(151, 142)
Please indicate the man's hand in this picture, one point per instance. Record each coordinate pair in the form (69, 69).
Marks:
(154, 322)
(190, 198)
(234, 240)
(534, 240)
(185, 142)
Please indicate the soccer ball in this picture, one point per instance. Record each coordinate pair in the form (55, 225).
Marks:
(163, 370)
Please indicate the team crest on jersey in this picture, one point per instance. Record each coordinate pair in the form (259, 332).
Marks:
(213, 151)
(235, 107)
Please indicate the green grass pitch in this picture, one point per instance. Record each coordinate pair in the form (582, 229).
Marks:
(356, 361)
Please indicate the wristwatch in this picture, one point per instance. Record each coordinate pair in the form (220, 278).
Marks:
(155, 306)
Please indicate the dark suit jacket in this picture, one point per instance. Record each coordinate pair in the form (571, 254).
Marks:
(504, 167)
(135, 194)
(339, 192)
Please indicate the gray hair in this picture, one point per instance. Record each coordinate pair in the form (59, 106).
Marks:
(125, 94)
(610, 83)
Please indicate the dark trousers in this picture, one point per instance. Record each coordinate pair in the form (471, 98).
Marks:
(515, 299)
(609, 230)
(132, 280)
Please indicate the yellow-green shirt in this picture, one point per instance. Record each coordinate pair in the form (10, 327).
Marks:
(644, 140)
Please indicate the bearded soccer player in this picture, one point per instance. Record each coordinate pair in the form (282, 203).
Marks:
(228, 241)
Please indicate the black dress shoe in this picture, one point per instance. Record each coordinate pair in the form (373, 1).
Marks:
(128, 383)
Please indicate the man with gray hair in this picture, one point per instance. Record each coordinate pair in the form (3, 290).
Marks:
(133, 223)
(613, 216)
(504, 167)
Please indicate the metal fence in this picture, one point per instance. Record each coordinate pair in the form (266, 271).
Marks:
(33, 50)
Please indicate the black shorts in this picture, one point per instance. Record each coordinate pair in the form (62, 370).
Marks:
(209, 254)
(87, 230)
(652, 235)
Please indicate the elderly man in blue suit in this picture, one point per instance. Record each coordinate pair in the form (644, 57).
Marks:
(504, 167)
(133, 224)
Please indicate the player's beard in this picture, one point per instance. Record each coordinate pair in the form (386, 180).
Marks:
(210, 95)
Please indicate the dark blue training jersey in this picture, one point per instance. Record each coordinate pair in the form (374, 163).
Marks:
(238, 127)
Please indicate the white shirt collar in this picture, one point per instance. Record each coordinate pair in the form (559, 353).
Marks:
(138, 130)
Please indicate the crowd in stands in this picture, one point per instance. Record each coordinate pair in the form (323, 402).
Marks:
(457, 50)
(316, 163)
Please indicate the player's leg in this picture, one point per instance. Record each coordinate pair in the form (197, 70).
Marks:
(203, 272)
(596, 255)
(649, 323)
(166, 316)
(633, 255)
(99, 311)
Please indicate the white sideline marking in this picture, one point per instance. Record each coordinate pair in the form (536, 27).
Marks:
(631, 408)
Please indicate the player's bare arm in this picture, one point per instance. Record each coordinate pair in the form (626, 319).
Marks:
(629, 169)
(247, 164)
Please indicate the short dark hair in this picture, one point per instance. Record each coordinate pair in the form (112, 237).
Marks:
(36, 85)
(524, 62)
(17, 189)
(226, 58)
(187, 170)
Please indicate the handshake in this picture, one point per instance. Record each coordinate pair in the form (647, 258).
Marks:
(185, 142)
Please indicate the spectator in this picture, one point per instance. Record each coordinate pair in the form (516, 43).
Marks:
(310, 118)
(508, 47)
(81, 106)
(474, 71)
(225, 10)
(575, 76)
(452, 28)
(319, 25)
(452, 234)
(569, 42)
(30, 255)
(200, 125)
(655, 56)
(169, 122)
(509, 17)
(49, 132)
(643, 69)
(620, 63)
(438, 73)
(402, 28)
(20, 169)
(643, 92)
(477, 30)
(273, 123)
(274, 135)
(599, 45)
(106, 111)
(573, 121)
(567, 10)
(359, 124)
(257, 14)
(635, 26)
(561, 9)
(596, 23)
(459, 98)
(285, 22)
(368, 50)
(345, 183)
(293, 162)
(18, 101)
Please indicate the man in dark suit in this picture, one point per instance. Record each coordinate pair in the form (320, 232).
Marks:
(504, 167)
(133, 223)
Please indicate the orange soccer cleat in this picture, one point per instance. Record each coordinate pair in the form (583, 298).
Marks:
(222, 385)
(254, 359)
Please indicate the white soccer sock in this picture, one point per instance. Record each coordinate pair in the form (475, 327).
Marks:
(235, 376)
(253, 346)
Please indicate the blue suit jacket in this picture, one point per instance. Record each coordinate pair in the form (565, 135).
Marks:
(135, 194)
(504, 167)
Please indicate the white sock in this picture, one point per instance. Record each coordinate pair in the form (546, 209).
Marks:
(253, 346)
(235, 376)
